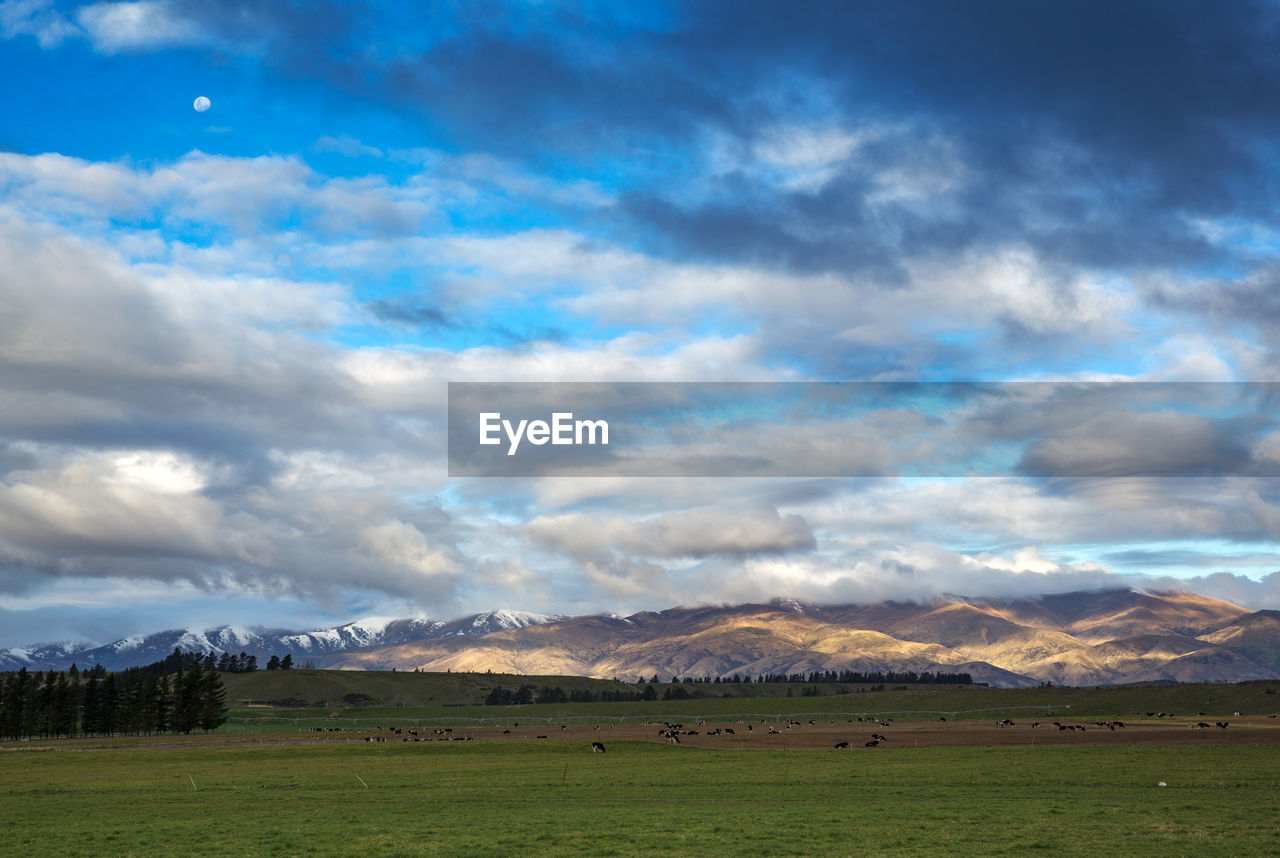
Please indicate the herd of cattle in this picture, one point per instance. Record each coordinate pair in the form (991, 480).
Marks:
(793, 733)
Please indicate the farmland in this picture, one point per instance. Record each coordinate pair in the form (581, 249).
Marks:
(492, 798)
(438, 699)
(331, 781)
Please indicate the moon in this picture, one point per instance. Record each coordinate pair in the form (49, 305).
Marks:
(202, 104)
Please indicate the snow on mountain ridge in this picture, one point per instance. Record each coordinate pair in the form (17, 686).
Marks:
(508, 618)
(360, 633)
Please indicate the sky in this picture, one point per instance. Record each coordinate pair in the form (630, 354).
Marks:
(226, 336)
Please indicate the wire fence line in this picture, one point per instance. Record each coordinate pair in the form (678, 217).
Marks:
(375, 722)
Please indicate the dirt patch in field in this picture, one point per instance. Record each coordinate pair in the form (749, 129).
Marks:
(866, 736)
(863, 735)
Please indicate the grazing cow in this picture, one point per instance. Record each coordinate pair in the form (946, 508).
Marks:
(1222, 724)
(842, 744)
(597, 747)
(874, 743)
(729, 730)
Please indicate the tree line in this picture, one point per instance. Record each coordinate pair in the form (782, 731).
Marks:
(178, 694)
(500, 696)
(676, 690)
(851, 677)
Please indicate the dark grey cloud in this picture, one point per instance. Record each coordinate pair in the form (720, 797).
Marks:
(1091, 131)
(1125, 444)
(411, 314)
(1252, 298)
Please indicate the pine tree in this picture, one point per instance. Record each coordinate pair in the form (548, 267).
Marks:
(91, 711)
(286, 663)
(186, 694)
(163, 703)
(41, 715)
(273, 663)
(65, 706)
(213, 702)
(110, 706)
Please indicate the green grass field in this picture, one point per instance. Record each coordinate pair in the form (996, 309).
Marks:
(236, 792)
(558, 798)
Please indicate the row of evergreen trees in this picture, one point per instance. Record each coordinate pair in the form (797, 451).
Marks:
(178, 694)
(500, 696)
(210, 661)
(852, 677)
(676, 689)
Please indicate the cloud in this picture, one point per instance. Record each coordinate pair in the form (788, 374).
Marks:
(413, 315)
(1126, 442)
(815, 191)
(237, 26)
(617, 556)
(37, 18)
(695, 533)
(345, 144)
(138, 26)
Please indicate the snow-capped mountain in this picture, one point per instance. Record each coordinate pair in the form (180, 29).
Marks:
(1083, 638)
(495, 621)
(264, 643)
(17, 658)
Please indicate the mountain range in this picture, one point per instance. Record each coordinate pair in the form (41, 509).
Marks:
(1083, 638)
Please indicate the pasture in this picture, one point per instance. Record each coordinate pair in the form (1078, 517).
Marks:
(341, 781)
(492, 797)
(452, 699)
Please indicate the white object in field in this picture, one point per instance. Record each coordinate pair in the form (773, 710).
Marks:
(1162, 783)
(202, 104)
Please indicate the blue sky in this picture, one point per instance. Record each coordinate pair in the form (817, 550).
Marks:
(225, 336)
